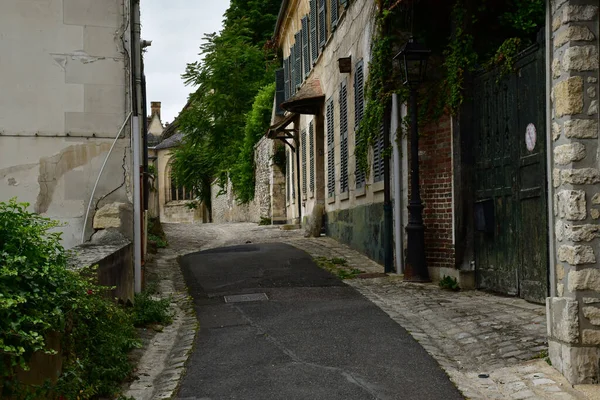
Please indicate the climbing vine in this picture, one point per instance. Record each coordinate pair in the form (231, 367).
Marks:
(470, 46)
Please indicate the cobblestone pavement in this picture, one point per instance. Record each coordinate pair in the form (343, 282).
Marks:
(492, 347)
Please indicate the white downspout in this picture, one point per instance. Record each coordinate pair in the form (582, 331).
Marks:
(397, 174)
(137, 205)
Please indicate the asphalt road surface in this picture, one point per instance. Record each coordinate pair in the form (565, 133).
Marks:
(273, 325)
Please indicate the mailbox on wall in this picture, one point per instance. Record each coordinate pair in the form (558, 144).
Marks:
(484, 216)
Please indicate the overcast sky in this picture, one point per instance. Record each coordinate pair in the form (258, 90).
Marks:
(176, 28)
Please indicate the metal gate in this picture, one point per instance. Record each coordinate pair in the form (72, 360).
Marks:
(511, 239)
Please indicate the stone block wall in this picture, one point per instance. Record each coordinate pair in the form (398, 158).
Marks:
(226, 208)
(573, 323)
(360, 227)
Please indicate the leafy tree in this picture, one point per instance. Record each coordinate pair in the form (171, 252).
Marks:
(234, 68)
(257, 122)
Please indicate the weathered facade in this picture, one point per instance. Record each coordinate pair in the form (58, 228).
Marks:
(268, 178)
(67, 94)
(326, 106)
(573, 323)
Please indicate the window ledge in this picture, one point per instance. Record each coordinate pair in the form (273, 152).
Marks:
(359, 192)
(331, 200)
(311, 195)
(378, 186)
(345, 195)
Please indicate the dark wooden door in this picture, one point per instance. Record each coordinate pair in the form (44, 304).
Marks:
(510, 179)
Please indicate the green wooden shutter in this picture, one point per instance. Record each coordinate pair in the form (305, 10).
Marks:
(287, 180)
(279, 91)
(330, 149)
(322, 22)
(298, 61)
(344, 137)
(334, 13)
(378, 160)
(292, 60)
(359, 111)
(303, 140)
(286, 78)
(292, 177)
(311, 146)
(314, 37)
(306, 47)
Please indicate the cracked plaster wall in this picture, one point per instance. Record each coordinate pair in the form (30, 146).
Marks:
(64, 72)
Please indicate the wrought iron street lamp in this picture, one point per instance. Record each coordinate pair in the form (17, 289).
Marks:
(413, 59)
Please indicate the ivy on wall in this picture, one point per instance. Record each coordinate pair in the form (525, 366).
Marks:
(476, 40)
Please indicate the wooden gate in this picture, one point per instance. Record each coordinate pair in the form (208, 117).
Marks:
(511, 239)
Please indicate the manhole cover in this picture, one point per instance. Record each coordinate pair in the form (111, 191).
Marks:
(240, 298)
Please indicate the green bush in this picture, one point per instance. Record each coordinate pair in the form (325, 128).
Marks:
(40, 296)
(148, 310)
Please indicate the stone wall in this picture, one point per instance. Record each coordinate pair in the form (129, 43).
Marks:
(225, 207)
(574, 312)
(360, 228)
(64, 91)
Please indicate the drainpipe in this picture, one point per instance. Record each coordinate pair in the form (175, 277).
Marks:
(388, 228)
(398, 209)
(298, 186)
(135, 135)
(549, 152)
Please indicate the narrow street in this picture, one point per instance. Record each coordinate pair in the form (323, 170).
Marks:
(306, 334)
(314, 336)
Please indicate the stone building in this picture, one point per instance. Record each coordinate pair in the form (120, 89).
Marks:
(509, 183)
(68, 114)
(154, 125)
(573, 312)
(176, 204)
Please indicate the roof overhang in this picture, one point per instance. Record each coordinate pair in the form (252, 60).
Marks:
(279, 130)
(308, 100)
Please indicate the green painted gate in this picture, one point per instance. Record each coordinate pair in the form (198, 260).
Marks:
(511, 240)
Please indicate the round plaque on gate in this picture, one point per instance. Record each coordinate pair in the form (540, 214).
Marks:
(530, 137)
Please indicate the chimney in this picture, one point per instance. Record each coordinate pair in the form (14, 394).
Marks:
(155, 107)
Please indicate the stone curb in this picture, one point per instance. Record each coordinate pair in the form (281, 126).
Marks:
(163, 364)
(168, 381)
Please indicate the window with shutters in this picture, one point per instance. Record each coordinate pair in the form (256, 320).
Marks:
(287, 180)
(311, 152)
(292, 64)
(359, 111)
(306, 47)
(378, 158)
(334, 13)
(303, 143)
(314, 37)
(322, 22)
(330, 149)
(343, 137)
(292, 179)
(279, 91)
(286, 77)
(298, 61)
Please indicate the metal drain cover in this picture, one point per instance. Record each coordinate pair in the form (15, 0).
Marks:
(241, 298)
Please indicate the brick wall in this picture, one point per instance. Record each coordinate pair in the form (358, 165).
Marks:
(435, 162)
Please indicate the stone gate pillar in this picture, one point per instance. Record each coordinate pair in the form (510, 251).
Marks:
(574, 314)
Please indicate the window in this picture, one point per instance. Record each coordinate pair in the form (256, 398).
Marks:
(306, 46)
(279, 90)
(330, 150)
(174, 192)
(311, 147)
(359, 111)
(303, 149)
(378, 158)
(344, 137)
(334, 13)
(314, 40)
(322, 18)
